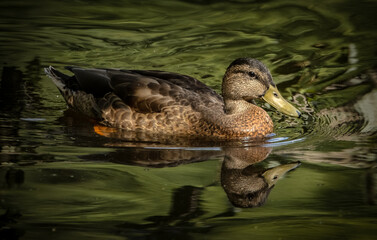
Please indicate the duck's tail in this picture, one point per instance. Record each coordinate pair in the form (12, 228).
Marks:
(60, 79)
(76, 99)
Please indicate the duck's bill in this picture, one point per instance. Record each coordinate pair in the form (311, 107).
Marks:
(274, 98)
(272, 175)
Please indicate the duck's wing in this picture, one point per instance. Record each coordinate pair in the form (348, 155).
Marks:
(183, 81)
(147, 91)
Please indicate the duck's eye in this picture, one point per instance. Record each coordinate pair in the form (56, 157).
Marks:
(275, 94)
(252, 74)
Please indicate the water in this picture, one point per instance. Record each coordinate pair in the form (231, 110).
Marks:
(61, 180)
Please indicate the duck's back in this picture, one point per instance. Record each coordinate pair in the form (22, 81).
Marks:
(152, 101)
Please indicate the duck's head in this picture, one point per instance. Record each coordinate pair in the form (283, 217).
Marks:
(248, 183)
(247, 79)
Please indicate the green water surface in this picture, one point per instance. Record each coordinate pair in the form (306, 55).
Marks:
(61, 180)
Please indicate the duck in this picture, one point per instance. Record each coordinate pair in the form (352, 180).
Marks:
(166, 103)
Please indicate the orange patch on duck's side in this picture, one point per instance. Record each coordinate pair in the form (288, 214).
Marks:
(103, 130)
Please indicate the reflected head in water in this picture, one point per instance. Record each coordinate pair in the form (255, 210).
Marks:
(246, 183)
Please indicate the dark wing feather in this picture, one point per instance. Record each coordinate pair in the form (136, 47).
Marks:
(94, 81)
(147, 91)
(184, 81)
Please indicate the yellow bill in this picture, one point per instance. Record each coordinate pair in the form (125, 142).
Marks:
(274, 98)
(274, 174)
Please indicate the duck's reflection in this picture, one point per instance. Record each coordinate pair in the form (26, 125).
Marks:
(246, 180)
(155, 157)
(247, 183)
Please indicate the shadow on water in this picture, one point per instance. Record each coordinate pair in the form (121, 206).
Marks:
(20, 108)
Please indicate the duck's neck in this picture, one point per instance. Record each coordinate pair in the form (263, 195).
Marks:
(236, 106)
(242, 119)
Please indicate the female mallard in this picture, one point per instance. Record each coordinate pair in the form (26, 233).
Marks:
(157, 102)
